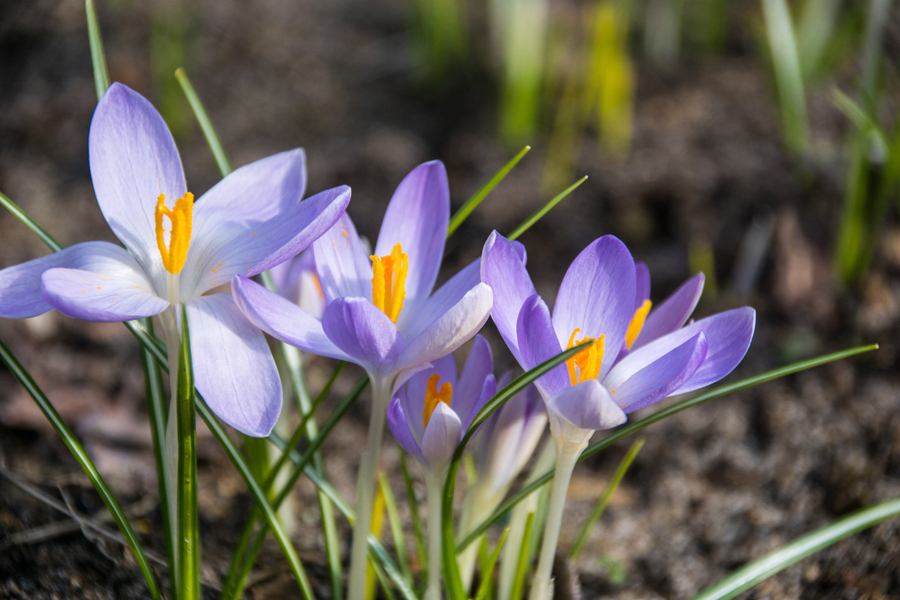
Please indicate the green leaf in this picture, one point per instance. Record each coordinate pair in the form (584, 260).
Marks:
(74, 446)
(393, 515)
(487, 570)
(635, 426)
(418, 528)
(522, 564)
(98, 58)
(472, 203)
(526, 225)
(206, 125)
(777, 561)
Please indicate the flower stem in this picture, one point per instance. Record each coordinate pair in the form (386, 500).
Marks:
(365, 488)
(433, 492)
(566, 457)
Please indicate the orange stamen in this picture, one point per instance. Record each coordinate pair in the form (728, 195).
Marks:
(389, 281)
(586, 364)
(637, 323)
(181, 224)
(433, 396)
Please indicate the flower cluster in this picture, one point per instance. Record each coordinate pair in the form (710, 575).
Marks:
(196, 259)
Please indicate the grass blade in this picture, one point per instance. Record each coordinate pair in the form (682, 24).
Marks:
(526, 225)
(30, 223)
(799, 549)
(206, 125)
(487, 570)
(522, 564)
(418, 528)
(788, 75)
(659, 415)
(74, 446)
(611, 487)
(98, 58)
(472, 203)
(393, 515)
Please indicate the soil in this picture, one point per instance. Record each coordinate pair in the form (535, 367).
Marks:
(712, 489)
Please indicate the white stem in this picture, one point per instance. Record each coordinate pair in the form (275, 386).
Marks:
(480, 502)
(169, 322)
(433, 489)
(566, 456)
(365, 489)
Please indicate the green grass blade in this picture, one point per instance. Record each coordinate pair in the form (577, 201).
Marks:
(472, 203)
(451, 567)
(157, 409)
(526, 225)
(396, 526)
(603, 501)
(205, 123)
(487, 570)
(623, 432)
(418, 528)
(799, 549)
(187, 548)
(98, 58)
(74, 446)
(788, 75)
(522, 564)
(30, 223)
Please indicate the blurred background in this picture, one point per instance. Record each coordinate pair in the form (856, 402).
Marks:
(757, 141)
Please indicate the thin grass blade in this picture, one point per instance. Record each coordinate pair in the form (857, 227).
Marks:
(98, 57)
(788, 75)
(487, 571)
(522, 564)
(393, 515)
(526, 225)
(209, 132)
(418, 528)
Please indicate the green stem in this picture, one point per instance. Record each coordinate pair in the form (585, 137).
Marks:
(365, 488)
(433, 491)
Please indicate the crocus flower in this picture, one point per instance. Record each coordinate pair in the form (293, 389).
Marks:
(432, 412)
(296, 279)
(179, 252)
(380, 313)
(599, 301)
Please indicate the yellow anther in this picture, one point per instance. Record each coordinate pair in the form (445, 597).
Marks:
(588, 361)
(180, 220)
(637, 323)
(433, 396)
(389, 281)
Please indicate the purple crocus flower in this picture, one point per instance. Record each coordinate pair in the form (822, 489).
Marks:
(296, 279)
(180, 252)
(432, 412)
(600, 300)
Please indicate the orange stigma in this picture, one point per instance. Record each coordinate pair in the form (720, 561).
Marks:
(389, 281)
(588, 361)
(180, 219)
(433, 396)
(637, 323)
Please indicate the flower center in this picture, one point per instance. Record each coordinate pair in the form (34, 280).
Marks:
(389, 281)
(180, 219)
(637, 323)
(587, 362)
(433, 396)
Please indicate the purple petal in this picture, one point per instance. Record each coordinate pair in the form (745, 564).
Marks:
(467, 393)
(342, 263)
(587, 406)
(504, 270)
(400, 429)
(289, 279)
(597, 296)
(282, 319)
(488, 391)
(443, 300)
(133, 160)
(452, 329)
(417, 218)
(441, 436)
(249, 249)
(233, 367)
(538, 343)
(642, 284)
(364, 332)
(658, 379)
(672, 313)
(100, 297)
(414, 400)
(20, 285)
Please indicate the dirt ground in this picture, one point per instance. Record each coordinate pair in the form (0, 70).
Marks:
(713, 488)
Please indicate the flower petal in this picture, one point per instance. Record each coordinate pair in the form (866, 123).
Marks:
(504, 270)
(488, 391)
(587, 406)
(414, 399)
(642, 284)
(233, 366)
(441, 436)
(451, 329)
(509, 437)
(417, 219)
(597, 296)
(20, 285)
(538, 343)
(342, 263)
(133, 160)
(400, 429)
(442, 300)
(364, 332)
(282, 319)
(467, 392)
(247, 249)
(100, 297)
(672, 313)
(654, 381)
